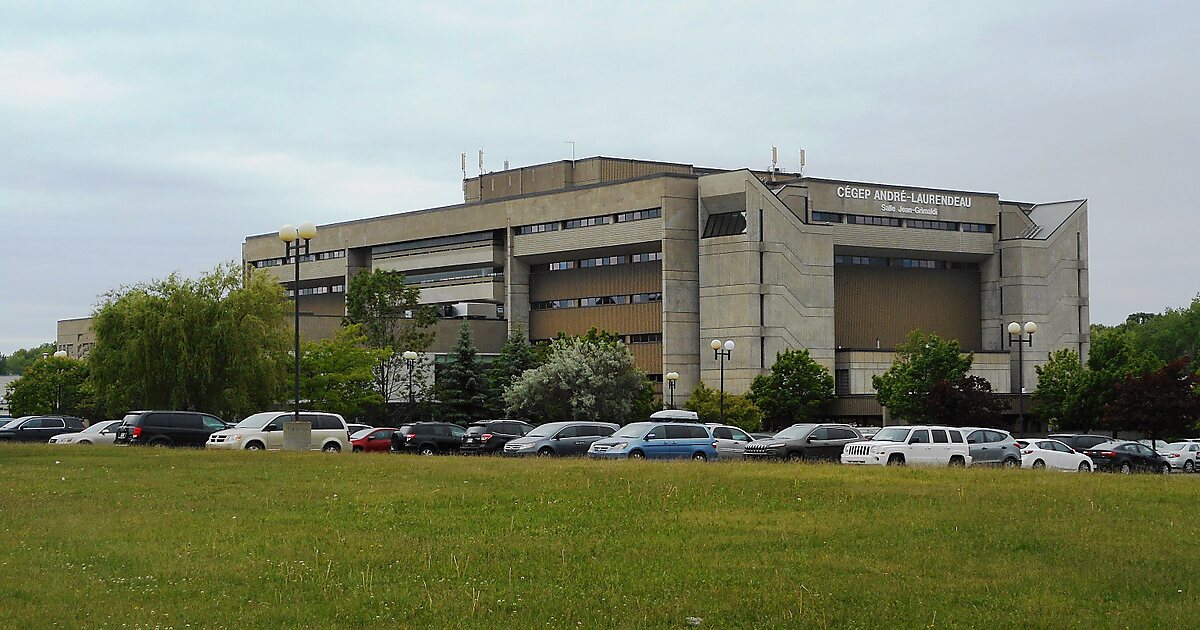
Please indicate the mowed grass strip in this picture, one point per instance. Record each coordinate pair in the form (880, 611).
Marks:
(134, 537)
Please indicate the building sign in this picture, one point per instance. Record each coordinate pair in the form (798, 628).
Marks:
(905, 201)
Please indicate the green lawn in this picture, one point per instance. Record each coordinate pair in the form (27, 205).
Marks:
(133, 537)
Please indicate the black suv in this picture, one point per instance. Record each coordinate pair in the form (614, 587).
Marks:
(801, 442)
(427, 438)
(490, 436)
(168, 428)
(38, 428)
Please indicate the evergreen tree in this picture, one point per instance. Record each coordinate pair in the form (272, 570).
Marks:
(740, 411)
(516, 356)
(462, 385)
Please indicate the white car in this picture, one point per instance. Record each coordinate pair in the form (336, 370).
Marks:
(902, 445)
(264, 431)
(1182, 455)
(1052, 454)
(99, 433)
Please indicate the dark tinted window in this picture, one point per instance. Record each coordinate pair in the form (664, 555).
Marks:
(156, 420)
(676, 431)
(956, 437)
(570, 432)
(977, 437)
(919, 437)
(603, 431)
(844, 434)
(697, 432)
(211, 423)
(74, 423)
(996, 436)
(939, 436)
(723, 432)
(821, 433)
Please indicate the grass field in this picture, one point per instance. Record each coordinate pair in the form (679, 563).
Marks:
(132, 537)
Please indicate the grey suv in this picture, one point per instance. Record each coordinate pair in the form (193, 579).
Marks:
(992, 447)
(805, 441)
(559, 438)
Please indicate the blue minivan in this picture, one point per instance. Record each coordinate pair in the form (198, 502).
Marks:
(657, 440)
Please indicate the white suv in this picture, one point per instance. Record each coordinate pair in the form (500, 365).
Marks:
(263, 431)
(897, 446)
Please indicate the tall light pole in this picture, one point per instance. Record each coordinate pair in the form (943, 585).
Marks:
(1015, 336)
(410, 359)
(294, 248)
(722, 352)
(671, 378)
(61, 354)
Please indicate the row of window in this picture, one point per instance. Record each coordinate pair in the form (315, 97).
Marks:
(606, 300)
(458, 274)
(600, 262)
(275, 262)
(926, 224)
(906, 263)
(337, 288)
(605, 219)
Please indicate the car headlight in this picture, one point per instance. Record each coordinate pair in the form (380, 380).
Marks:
(775, 445)
(618, 446)
(236, 438)
(523, 447)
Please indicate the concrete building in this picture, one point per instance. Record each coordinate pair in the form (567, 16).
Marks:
(671, 256)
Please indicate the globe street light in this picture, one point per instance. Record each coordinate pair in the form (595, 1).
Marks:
(1015, 336)
(671, 378)
(294, 248)
(722, 351)
(60, 354)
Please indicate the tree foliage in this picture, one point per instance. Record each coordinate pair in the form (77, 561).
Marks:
(589, 378)
(216, 344)
(1168, 335)
(1161, 403)
(1058, 382)
(16, 362)
(336, 374)
(921, 362)
(53, 385)
(516, 356)
(968, 401)
(392, 319)
(463, 388)
(740, 411)
(795, 390)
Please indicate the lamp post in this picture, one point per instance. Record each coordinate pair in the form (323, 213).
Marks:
(722, 351)
(294, 248)
(671, 378)
(410, 359)
(1015, 336)
(61, 354)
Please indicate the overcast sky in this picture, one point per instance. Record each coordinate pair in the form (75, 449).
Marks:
(138, 139)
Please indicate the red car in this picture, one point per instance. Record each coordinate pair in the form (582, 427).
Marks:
(372, 440)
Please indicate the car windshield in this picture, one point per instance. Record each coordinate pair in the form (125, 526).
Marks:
(635, 430)
(96, 428)
(891, 434)
(12, 424)
(1177, 446)
(794, 431)
(546, 430)
(257, 421)
(362, 433)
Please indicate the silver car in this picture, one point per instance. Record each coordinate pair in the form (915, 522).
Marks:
(992, 447)
(1182, 455)
(559, 439)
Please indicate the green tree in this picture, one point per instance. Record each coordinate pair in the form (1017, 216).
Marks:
(336, 374)
(1173, 334)
(1113, 357)
(392, 319)
(795, 389)
(462, 385)
(1059, 380)
(53, 385)
(16, 362)
(589, 378)
(1161, 403)
(216, 344)
(921, 362)
(740, 411)
(967, 401)
(516, 356)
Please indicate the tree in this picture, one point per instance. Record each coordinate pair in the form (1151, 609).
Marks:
(921, 362)
(16, 362)
(1173, 334)
(584, 378)
(216, 344)
(1059, 380)
(336, 374)
(462, 384)
(1162, 403)
(392, 319)
(967, 401)
(1112, 358)
(516, 356)
(794, 391)
(740, 411)
(53, 385)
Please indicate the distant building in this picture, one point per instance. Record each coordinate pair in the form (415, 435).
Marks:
(5, 379)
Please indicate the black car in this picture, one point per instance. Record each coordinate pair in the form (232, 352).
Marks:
(490, 436)
(805, 441)
(1080, 441)
(168, 428)
(38, 428)
(427, 438)
(1127, 457)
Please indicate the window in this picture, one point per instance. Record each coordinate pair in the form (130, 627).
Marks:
(919, 437)
(978, 227)
(914, 263)
(956, 437)
(458, 274)
(646, 338)
(842, 382)
(939, 436)
(538, 228)
(740, 435)
(725, 224)
(606, 300)
(820, 433)
(860, 260)
(211, 423)
(602, 262)
(638, 215)
(561, 266)
(578, 223)
(844, 434)
(859, 219)
(647, 257)
(340, 253)
(644, 298)
(553, 304)
(602, 431)
(932, 225)
(976, 437)
(723, 433)
(828, 217)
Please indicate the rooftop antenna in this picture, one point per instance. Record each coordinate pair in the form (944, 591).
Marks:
(464, 165)
(572, 143)
(481, 161)
(774, 161)
(506, 164)
(802, 162)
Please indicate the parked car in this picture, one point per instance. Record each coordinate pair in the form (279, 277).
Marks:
(657, 440)
(1182, 455)
(1080, 441)
(1127, 457)
(428, 438)
(103, 432)
(730, 441)
(372, 440)
(38, 428)
(559, 439)
(264, 431)
(490, 436)
(353, 427)
(992, 447)
(1052, 454)
(1157, 445)
(901, 445)
(806, 441)
(168, 428)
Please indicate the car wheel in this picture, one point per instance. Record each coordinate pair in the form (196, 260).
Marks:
(1165, 469)
(700, 456)
(357, 449)
(1085, 467)
(158, 444)
(546, 451)
(427, 450)
(896, 459)
(957, 461)
(637, 455)
(1189, 466)
(1126, 468)
(254, 446)
(1039, 464)
(332, 447)
(1011, 463)
(795, 456)
(85, 442)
